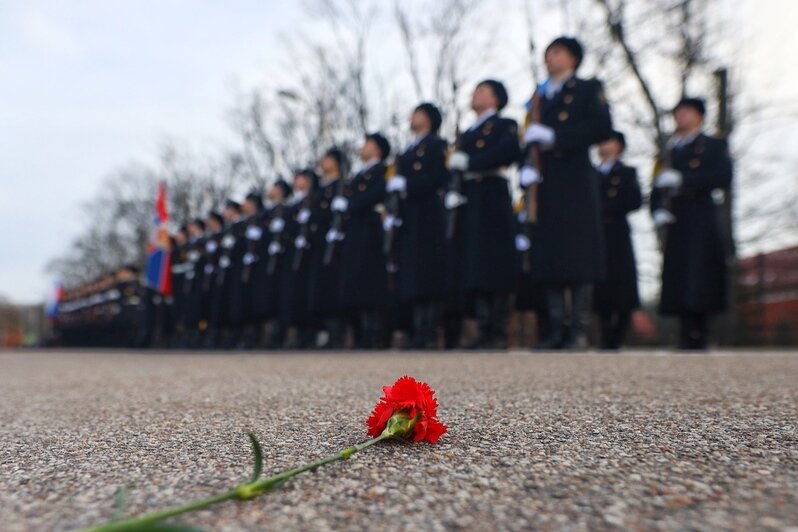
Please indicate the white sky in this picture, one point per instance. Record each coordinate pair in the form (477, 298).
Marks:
(88, 86)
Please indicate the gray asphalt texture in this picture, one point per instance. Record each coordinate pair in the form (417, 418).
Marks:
(580, 442)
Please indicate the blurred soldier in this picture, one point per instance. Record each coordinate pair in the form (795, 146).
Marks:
(192, 284)
(530, 294)
(252, 267)
(486, 256)
(130, 325)
(228, 275)
(180, 266)
(273, 246)
(694, 274)
(293, 293)
(208, 323)
(363, 273)
(570, 257)
(323, 249)
(616, 297)
(420, 181)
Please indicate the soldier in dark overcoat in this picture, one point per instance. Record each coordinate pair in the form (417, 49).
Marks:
(363, 287)
(323, 250)
(569, 257)
(486, 255)
(294, 316)
(419, 181)
(616, 297)
(694, 269)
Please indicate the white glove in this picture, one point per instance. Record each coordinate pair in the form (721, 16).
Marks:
(541, 134)
(339, 204)
(303, 216)
(458, 161)
(254, 232)
(276, 225)
(663, 217)
(397, 183)
(275, 248)
(333, 235)
(453, 200)
(301, 242)
(522, 242)
(528, 176)
(389, 222)
(669, 178)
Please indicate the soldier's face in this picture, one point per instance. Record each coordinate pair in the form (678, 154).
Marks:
(609, 149)
(419, 122)
(181, 238)
(301, 184)
(483, 99)
(329, 166)
(213, 225)
(276, 194)
(369, 151)
(229, 214)
(687, 118)
(249, 208)
(559, 60)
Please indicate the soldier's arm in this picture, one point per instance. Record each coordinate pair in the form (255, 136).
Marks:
(582, 131)
(433, 175)
(633, 199)
(504, 152)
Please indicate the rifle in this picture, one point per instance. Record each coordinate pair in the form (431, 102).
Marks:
(392, 208)
(276, 237)
(662, 198)
(533, 159)
(455, 191)
(304, 232)
(337, 225)
(253, 234)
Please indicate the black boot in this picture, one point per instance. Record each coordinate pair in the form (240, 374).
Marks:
(555, 297)
(580, 303)
(335, 332)
(452, 329)
(482, 313)
(497, 338)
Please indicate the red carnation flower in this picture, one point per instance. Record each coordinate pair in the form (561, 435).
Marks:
(412, 401)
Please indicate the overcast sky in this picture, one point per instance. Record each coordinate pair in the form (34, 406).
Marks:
(88, 86)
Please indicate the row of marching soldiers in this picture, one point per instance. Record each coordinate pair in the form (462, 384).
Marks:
(435, 240)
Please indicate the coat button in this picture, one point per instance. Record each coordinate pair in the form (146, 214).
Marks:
(615, 180)
(361, 187)
(612, 193)
(417, 165)
(480, 144)
(563, 116)
(568, 99)
(694, 163)
(420, 152)
(323, 204)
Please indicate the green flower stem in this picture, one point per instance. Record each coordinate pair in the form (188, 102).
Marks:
(246, 491)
